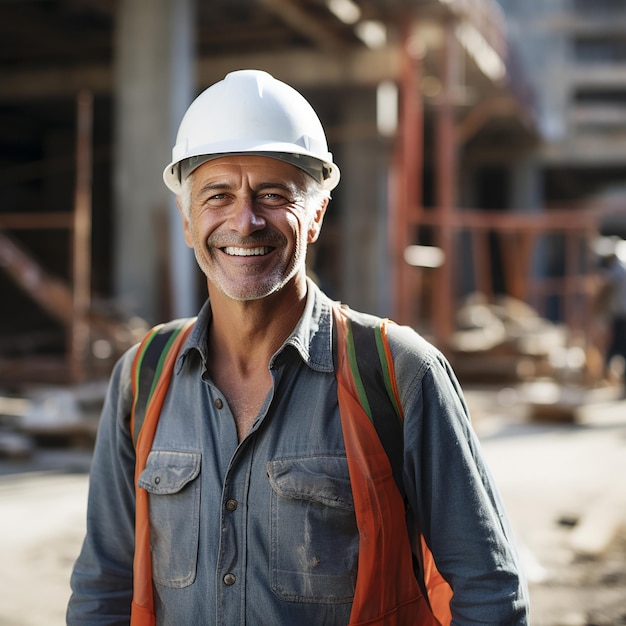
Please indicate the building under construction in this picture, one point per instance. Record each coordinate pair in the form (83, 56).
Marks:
(460, 173)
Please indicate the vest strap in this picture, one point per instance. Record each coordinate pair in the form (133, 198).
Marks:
(144, 422)
(387, 591)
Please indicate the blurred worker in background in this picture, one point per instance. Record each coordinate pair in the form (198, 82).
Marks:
(255, 506)
(611, 299)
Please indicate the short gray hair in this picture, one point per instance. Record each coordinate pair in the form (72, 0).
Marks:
(185, 195)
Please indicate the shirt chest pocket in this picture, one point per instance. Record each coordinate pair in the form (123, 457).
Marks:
(171, 479)
(314, 537)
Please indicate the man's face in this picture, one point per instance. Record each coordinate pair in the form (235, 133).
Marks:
(249, 224)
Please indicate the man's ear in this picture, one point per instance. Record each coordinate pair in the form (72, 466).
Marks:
(316, 223)
(186, 229)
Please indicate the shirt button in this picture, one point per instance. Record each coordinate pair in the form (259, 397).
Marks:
(218, 403)
(231, 505)
(229, 579)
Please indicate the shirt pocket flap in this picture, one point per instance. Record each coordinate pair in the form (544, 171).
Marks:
(167, 472)
(319, 479)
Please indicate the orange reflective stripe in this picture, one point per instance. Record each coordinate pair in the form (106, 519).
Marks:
(391, 367)
(439, 591)
(387, 592)
(141, 616)
(142, 611)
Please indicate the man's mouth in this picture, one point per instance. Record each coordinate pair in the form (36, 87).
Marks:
(258, 251)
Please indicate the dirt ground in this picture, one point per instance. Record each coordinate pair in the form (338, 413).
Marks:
(584, 592)
(563, 485)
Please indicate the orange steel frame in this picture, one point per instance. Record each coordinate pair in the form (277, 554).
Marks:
(516, 232)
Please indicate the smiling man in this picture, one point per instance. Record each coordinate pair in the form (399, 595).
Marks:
(262, 494)
(249, 222)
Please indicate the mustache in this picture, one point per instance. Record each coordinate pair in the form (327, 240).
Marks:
(265, 237)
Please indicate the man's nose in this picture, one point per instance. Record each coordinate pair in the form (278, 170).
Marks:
(246, 217)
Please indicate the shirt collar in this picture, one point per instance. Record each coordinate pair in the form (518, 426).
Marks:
(311, 337)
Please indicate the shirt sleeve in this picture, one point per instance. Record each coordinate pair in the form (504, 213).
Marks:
(451, 491)
(102, 578)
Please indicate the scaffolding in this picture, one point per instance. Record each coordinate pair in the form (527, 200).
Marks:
(66, 301)
(428, 297)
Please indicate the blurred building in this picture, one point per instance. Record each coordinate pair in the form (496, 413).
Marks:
(427, 108)
(574, 54)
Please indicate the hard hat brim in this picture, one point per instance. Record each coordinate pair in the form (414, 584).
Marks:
(326, 173)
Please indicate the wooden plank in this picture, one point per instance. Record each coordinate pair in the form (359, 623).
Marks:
(35, 221)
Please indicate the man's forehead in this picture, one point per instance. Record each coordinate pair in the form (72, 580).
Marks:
(250, 166)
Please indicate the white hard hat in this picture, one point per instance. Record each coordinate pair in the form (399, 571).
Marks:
(250, 112)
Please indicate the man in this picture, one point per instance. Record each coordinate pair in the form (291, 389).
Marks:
(611, 299)
(251, 510)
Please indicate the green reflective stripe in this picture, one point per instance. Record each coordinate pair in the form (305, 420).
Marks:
(140, 357)
(161, 361)
(382, 355)
(356, 375)
(149, 368)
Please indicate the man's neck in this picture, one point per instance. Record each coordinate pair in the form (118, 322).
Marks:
(252, 331)
(243, 337)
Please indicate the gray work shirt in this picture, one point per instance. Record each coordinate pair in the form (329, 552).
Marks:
(264, 531)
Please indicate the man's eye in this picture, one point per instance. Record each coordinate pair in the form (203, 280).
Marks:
(272, 198)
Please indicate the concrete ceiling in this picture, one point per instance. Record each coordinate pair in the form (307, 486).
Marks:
(50, 49)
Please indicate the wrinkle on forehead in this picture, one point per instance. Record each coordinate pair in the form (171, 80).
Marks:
(231, 185)
(256, 172)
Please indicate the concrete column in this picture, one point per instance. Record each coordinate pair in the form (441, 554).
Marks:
(154, 80)
(526, 194)
(366, 282)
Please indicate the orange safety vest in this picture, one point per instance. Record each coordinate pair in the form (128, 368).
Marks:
(389, 591)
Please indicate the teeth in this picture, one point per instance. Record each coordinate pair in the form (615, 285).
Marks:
(260, 251)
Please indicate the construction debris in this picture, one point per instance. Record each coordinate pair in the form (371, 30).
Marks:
(507, 341)
(45, 416)
(503, 341)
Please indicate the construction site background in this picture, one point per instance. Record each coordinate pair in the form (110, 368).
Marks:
(483, 160)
